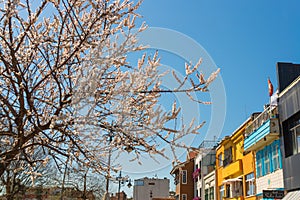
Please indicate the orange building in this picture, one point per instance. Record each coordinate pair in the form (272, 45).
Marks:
(235, 170)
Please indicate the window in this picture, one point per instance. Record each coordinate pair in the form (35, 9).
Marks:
(227, 157)
(139, 182)
(258, 164)
(176, 179)
(184, 197)
(266, 161)
(237, 188)
(295, 131)
(209, 159)
(291, 135)
(275, 156)
(211, 193)
(250, 186)
(220, 160)
(298, 140)
(234, 188)
(200, 194)
(184, 177)
(200, 164)
(206, 194)
(228, 186)
(222, 190)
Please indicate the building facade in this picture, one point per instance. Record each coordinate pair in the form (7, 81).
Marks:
(262, 137)
(289, 112)
(183, 178)
(203, 175)
(235, 169)
(148, 188)
(209, 186)
(197, 176)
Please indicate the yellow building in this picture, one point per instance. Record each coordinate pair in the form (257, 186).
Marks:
(235, 170)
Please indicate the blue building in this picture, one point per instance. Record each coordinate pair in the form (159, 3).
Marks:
(263, 137)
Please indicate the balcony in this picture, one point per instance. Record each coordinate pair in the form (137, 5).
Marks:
(233, 168)
(262, 131)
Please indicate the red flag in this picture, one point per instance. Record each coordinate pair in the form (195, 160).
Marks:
(270, 87)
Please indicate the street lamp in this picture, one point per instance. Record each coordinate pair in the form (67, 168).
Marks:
(110, 138)
(122, 179)
(119, 178)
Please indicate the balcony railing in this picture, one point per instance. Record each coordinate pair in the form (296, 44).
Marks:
(268, 113)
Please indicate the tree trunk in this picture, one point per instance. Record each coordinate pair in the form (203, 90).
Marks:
(84, 186)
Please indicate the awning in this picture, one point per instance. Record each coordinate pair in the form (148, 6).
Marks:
(292, 195)
(232, 180)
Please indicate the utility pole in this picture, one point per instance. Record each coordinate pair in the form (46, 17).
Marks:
(106, 197)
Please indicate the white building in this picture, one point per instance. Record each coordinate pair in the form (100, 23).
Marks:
(204, 172)
(197, 176)
(209, 186)
(148, 188)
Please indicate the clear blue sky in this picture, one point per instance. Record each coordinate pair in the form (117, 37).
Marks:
(244, 38)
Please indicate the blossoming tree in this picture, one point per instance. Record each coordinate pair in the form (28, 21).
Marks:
(66, 85)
